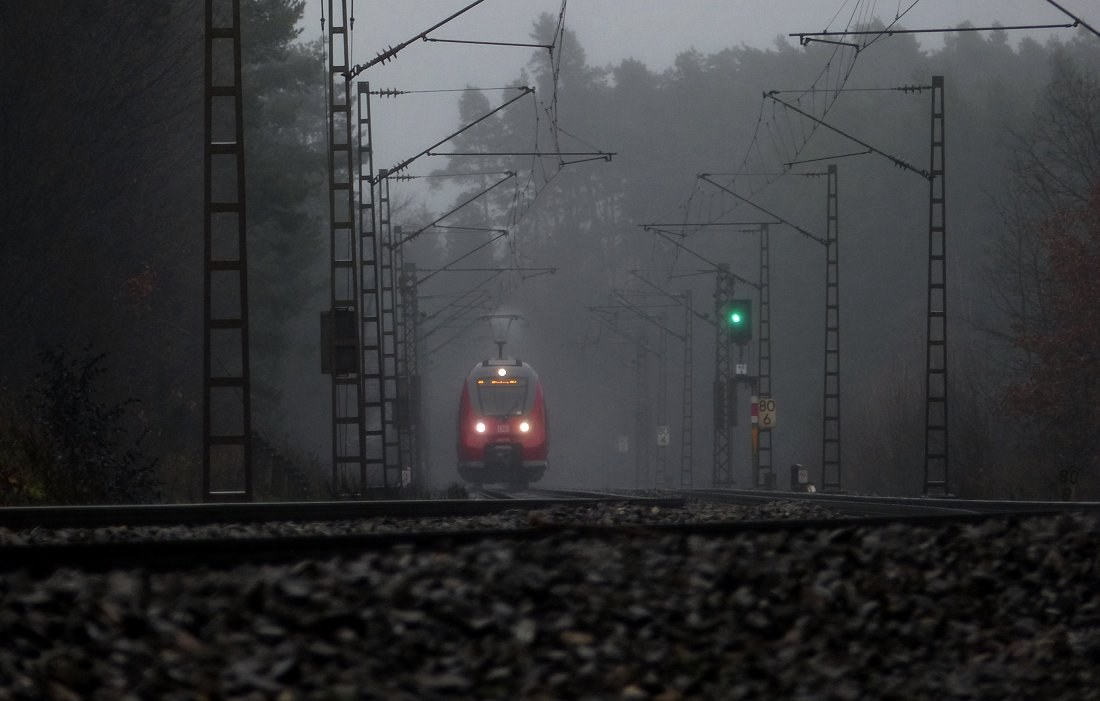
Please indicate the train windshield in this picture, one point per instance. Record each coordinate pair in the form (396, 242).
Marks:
(503, 397)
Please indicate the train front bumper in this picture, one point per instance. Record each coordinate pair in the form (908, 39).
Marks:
(502, 462)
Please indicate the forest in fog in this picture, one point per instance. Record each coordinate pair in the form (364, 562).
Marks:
(101, 278)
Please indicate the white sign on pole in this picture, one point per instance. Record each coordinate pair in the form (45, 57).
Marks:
(767, 411)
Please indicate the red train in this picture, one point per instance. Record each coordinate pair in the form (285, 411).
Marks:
(502, 435)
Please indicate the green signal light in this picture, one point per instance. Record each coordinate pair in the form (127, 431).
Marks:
(738, 319)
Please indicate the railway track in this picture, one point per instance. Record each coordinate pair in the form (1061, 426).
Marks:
(485, 502)
(434, 522)
(892, 507)
(574, 597)
(124, 546)
(900, 604)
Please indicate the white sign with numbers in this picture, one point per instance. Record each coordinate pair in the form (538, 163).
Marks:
(767, 412)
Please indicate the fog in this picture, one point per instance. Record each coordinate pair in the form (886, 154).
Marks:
(102, 196)
(661, 141)
(611, 31)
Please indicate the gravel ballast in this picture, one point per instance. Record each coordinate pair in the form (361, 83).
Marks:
(1001, 610)
(608, 513)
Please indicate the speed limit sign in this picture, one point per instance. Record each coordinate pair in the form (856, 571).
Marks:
(767, 412)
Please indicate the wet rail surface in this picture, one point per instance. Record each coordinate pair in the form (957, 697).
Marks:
(488, 501)
(876, 506)
(427, 522)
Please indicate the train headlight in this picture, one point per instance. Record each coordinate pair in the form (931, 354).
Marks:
(524, 426)
(480, 427)
(502, 372)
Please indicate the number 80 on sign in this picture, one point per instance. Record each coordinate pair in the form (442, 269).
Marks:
(763, 412)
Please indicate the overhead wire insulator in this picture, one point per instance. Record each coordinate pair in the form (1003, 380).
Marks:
(905, 165)
(386, 55)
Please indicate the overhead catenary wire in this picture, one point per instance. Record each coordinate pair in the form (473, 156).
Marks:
(822, 102)
(405, 163)
(806, 37)
(469, 253)
(523, 198)
(451, 175)
(481, 229)
(454, 209)
(715, 267)
(827, 158)
(527, 191)
(778, 128)
(394, 92)
(549, 47)
(1076, 19)
(893, 159)
(785, 142)
(799, 229)
(605, 155)
(392, 51)
(898, 88)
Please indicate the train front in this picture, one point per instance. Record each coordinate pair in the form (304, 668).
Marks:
(502, 433)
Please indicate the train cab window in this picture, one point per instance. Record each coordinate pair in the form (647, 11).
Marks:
(502, 397)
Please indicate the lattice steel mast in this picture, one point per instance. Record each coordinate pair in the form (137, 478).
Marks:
(687, 414)
(660, 461)
(227, 412)
(763, 455)
(687, 409)
(935, 376)
(409, 373)
(831, 475)
(385, 296)
(643, 420)
(936, 443)
(725, 386)
(348, 423)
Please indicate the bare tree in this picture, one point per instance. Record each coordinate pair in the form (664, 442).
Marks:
(1054, 173)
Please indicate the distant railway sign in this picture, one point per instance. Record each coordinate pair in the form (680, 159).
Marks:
(624, 444)
(664, 435)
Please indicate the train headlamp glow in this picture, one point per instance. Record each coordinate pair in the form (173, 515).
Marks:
(502, 372)
(480, 427)
(524, 427)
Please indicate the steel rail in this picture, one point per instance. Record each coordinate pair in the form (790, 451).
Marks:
(880, 505)
(850, 507)
(571, 495)
(27, 517)
(176, 555)
(486, 493)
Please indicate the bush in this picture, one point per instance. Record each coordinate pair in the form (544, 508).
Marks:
(64, 446)
(21, 446)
